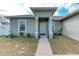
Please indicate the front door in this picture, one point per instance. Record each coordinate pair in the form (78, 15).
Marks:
(43, 28)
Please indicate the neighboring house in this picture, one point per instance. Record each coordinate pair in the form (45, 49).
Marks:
(4, 26)
(4, 29)
(44, 23)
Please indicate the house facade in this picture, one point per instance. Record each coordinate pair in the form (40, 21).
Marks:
(44, 23)
(4, 26)
(41, 23)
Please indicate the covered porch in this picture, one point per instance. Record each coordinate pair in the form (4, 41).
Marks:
(43, 20)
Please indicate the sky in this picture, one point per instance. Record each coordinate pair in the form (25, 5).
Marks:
(21, 7)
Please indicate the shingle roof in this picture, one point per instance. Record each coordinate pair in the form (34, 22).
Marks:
(54, 17)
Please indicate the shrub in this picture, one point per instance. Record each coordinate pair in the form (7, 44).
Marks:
(10, 36)
(29, 35)
(21, 34)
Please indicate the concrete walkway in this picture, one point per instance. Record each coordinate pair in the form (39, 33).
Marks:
(44, 48)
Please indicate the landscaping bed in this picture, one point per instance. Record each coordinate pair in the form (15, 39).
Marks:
(62, 45)
(18, 46)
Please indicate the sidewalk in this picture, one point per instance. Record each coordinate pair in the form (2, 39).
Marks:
(44, 48)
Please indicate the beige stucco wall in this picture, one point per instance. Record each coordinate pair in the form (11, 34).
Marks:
(71, 27)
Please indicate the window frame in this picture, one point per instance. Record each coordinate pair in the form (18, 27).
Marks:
(19, 21)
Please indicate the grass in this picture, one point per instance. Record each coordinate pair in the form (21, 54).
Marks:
(19, 46)
(62, 45)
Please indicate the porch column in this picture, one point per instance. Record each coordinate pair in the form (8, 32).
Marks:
(50, 27)
(36, 27)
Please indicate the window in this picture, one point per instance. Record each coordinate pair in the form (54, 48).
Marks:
(22, 25)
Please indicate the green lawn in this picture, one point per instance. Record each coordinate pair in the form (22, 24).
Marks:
(19, 46)
(64, 46)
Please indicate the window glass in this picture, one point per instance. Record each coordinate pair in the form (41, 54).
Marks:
(22, 25)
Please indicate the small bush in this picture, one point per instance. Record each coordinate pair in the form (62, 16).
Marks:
(29, 35)
(21, 34)
(10, 36)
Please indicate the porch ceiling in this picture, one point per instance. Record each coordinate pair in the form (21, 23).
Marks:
(41, 11)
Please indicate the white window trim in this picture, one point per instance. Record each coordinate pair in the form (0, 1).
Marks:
(19, 26)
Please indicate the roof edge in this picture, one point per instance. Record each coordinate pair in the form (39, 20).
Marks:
(71, 14)
(15, 16)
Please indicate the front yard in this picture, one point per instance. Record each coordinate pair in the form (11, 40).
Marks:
(18, 46)
(62, 45)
